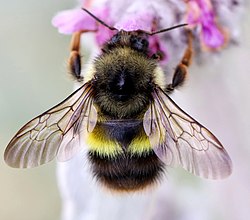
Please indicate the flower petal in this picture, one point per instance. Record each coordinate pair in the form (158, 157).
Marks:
(212, 37)
(71, 21)
(201, 13)
(136, 21)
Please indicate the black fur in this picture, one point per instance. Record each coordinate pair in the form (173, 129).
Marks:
(123, 131)
(123, 84)
(135, 40)
(127, 172)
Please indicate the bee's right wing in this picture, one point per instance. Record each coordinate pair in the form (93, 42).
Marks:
(178, 139)
(56, 132)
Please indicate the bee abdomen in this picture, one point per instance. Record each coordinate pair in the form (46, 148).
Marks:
(126, 172)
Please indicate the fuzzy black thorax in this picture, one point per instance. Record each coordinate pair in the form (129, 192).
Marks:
(123, 80)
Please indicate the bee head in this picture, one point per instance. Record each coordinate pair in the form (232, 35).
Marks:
(136, 40)
(123, 81)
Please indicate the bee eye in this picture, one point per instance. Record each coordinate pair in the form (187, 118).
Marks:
(116, 38)
(139, 44)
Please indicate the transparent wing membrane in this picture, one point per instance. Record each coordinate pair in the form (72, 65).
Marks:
(178, 139)
(57, 132)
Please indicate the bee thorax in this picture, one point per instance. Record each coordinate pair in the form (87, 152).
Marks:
(123, 82)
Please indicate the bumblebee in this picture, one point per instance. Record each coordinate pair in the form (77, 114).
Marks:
(123, 116)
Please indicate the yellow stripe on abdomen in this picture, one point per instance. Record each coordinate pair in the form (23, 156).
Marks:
(140, 145)
(100, 143)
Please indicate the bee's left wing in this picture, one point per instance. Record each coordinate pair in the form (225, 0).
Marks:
(178, 139)
(56, 132)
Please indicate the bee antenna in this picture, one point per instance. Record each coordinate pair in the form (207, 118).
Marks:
(99, 20)
(166, 29)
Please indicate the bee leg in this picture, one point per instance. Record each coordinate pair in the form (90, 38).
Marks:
(74, 62)
(180, 73)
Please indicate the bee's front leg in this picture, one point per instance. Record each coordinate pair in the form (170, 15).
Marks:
(180, 73)
(74, 63)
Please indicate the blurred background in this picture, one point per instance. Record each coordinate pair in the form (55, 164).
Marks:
(33, 78)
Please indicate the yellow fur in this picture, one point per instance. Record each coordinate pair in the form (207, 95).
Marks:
(159, 77)
(89, 73)
(103, 146)
(140, 145)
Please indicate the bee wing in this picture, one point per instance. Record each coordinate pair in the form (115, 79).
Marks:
(57, 132)
(178, 139)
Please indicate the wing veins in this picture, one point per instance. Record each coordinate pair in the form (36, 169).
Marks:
(79, 114)
(187, 142)
(40, 140)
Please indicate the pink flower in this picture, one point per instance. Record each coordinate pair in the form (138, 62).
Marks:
(201, 14)
(71, 21)
(75, 20)
(143, 20)
(131, 19)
